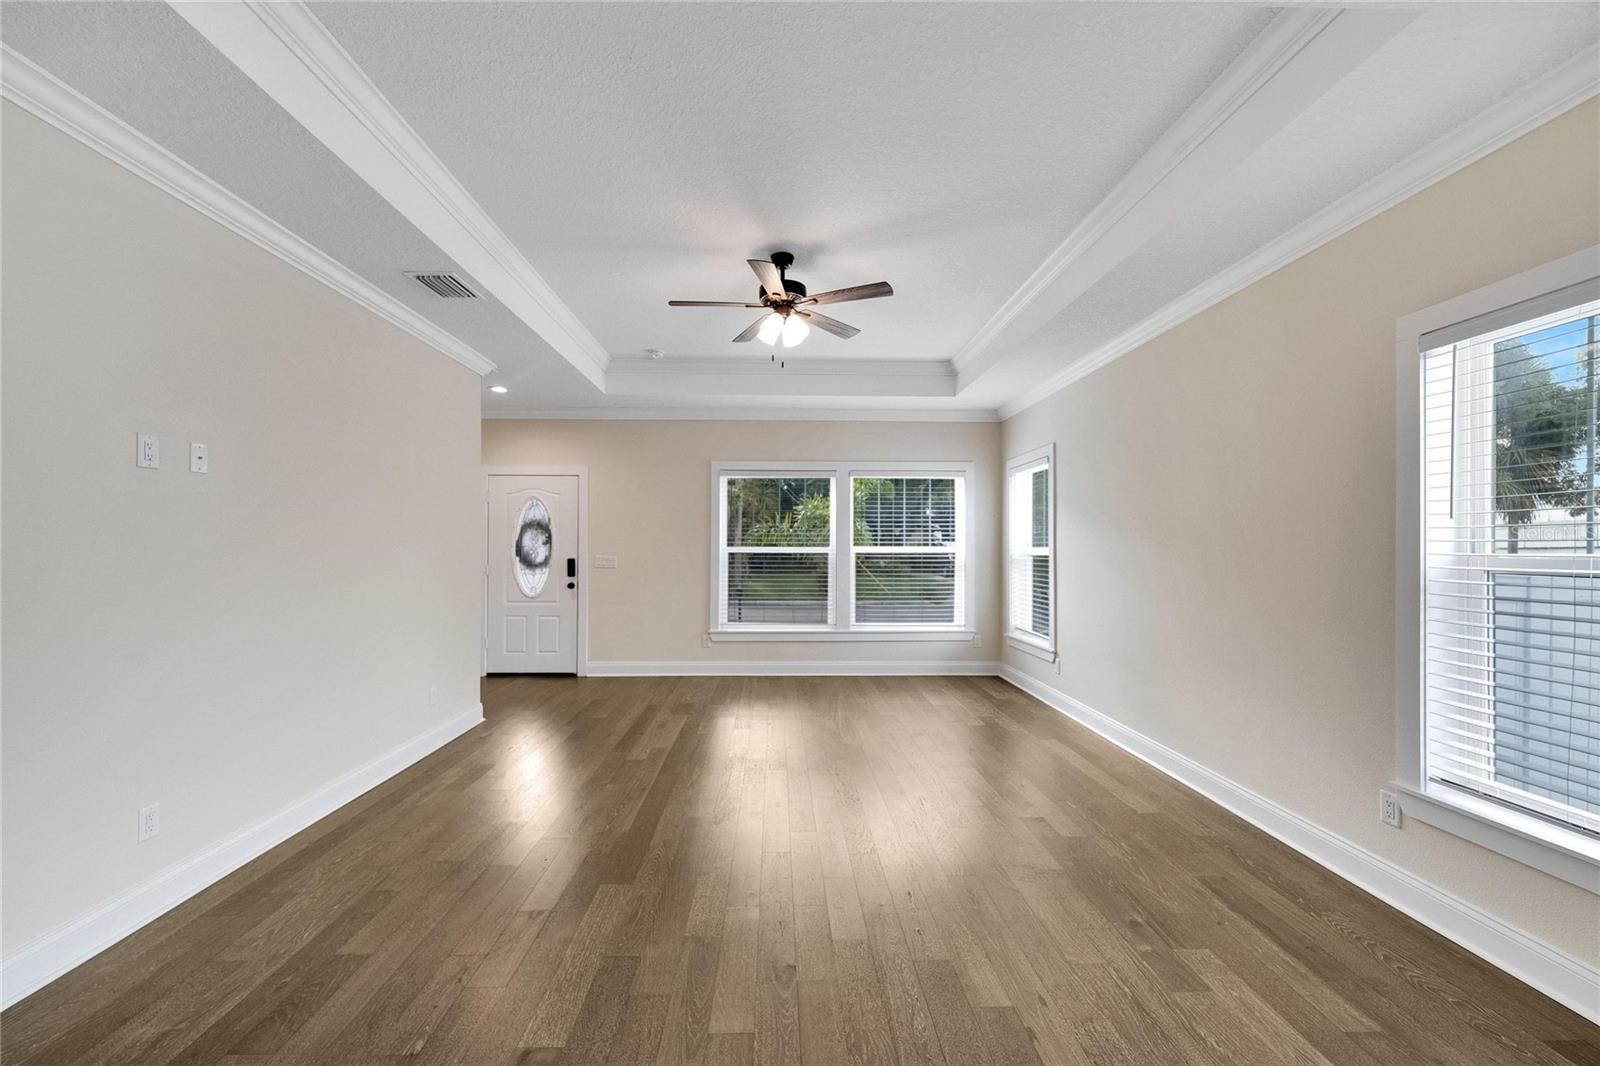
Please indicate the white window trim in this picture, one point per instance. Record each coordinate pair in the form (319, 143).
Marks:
(842, 628)
(1566, 853)
(1023, 640)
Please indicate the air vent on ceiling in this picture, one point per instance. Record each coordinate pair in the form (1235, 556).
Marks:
(447, 286)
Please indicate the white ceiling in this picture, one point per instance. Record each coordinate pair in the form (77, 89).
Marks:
(634, 153)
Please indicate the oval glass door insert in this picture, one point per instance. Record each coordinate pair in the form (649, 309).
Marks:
(532, 547)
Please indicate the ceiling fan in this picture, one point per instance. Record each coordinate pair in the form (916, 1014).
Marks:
(789, 312)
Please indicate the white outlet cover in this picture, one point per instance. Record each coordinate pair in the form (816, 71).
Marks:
(199, 458)
(147, 451)
(1389, 808)
(149, 822)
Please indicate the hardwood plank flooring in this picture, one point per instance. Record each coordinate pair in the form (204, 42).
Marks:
(785, 870)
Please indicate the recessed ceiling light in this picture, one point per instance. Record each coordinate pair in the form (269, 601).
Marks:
(498, 388)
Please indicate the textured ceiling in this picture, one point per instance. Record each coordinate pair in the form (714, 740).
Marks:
(1448, 66)
(639, 152)
(143, 63)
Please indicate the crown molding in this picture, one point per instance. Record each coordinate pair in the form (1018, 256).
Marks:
(42, 95)
(795, 376)
(743, 414)
(753, 365)
(284, 49)
(1562, 89)
(1298, 57)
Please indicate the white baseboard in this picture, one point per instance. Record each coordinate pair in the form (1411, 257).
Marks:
(36, 964)
(796, 668)
(1558, 975)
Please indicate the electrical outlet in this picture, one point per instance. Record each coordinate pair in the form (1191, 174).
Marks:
(147, 451)
(705, 640)
(977, 640)
(199, 458)
(1388, 808)
(149, 822)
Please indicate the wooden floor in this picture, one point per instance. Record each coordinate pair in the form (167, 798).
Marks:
(818, 870)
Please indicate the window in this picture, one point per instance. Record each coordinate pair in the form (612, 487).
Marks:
(781, 568)
(1499, 736)
(778, 568)
(908, 556)
(1030, 541)
(1512, 601)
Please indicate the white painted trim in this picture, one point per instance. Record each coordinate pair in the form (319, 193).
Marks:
(1293, 62)
(748, 412)
(843, 625)
(39, 93)
(793, 376)
(284, 49)
(752, 365)
(584, 567)
(1558, 852)
(798, 668)
(33, 965)
(1023, 640)
(825, 636)
(1562, 89)
(1031, 647)
(1558, 975)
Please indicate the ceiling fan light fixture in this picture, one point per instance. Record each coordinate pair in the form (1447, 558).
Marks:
(795, 330)
(771, 327)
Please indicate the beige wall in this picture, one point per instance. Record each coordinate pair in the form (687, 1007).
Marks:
(1226, 515)
(650, 505)
(221, 644)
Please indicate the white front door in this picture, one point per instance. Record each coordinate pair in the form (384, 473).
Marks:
(532, 624)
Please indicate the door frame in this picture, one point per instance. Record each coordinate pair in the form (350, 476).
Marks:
(549, 470)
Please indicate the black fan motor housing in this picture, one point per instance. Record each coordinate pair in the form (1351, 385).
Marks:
(796, 289)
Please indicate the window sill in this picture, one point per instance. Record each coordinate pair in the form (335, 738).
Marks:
(1565, 853)
(961, 636)
(1038, 649)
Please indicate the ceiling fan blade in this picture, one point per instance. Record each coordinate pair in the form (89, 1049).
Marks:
(771, 280)
(832, 325)
(750, 330)
(854, 292)
(708, 303)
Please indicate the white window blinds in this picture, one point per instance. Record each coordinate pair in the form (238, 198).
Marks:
(777, 552)
(1511, 602)
(1029, 530)
(908, 565)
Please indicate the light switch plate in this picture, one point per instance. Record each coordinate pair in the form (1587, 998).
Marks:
(605, 562)
(147, 451)
(199, 458)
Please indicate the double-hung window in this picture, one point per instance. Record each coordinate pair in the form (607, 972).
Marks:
(1030, 543)
(1508, 588)
(778, 551)
(908, 555)
(871, 551)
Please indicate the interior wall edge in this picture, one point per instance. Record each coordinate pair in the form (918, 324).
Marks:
(34, 965)
(1567, 980)
(1547, 99)
(798, 668)
(37, 92)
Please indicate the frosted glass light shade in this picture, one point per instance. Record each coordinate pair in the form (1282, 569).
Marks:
(795, 330)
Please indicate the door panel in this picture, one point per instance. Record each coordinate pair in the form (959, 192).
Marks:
(533, 604)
